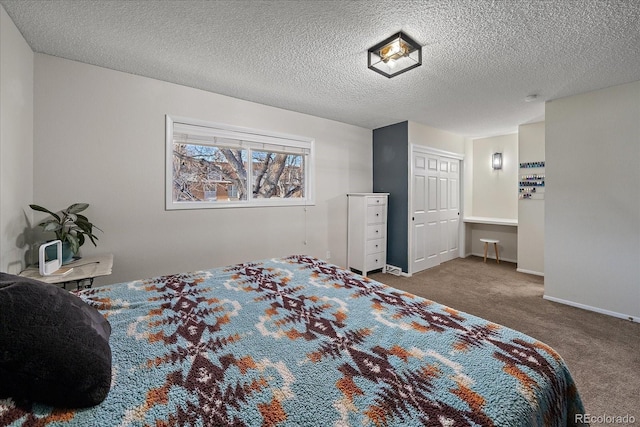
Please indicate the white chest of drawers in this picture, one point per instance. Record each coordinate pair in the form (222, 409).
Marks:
(367, 232)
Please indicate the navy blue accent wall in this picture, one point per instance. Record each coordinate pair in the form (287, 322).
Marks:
(391, 175)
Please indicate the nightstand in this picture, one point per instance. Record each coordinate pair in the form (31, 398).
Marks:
(84, 270)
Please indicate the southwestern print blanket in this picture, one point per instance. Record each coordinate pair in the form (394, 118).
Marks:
(300, 342)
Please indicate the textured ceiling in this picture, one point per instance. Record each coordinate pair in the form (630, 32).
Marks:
(481, 58)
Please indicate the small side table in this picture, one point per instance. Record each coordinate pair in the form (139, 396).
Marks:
(84, 270)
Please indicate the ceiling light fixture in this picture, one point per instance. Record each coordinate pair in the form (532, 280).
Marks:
(395, 55)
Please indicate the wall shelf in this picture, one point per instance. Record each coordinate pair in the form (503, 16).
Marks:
(531, 181)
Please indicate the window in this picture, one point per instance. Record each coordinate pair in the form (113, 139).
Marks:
(210, 165)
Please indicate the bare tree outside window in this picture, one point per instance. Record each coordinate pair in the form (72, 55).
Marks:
(208, 173)
(213, 165)
(278, 175)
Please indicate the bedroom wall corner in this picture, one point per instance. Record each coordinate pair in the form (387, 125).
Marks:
(467, 192)
(390, 175)
(113, 124)
(494, 194)
(16, 145)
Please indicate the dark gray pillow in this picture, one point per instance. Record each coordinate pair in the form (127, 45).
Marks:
(54, 347)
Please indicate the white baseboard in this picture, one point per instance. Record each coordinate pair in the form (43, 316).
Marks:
(535, 273)
(590, 308)
(515, 261)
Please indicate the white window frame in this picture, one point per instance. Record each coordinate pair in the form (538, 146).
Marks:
(257, 139)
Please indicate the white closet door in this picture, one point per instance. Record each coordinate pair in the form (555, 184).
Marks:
(435, 208)
(424, 211)
(450, 214)
(443, 208)
(419, 201)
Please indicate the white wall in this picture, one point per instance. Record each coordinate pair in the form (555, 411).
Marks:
(592, 200)
(495, 192)
(99, 138)
(427, 136)
(531, 211)
(16, 145)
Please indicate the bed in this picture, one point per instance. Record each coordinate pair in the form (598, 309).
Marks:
(297, 341)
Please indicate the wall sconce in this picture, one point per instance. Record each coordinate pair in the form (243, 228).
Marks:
(395, 55)
(496, 161)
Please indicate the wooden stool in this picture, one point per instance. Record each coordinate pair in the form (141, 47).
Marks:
(486, 247)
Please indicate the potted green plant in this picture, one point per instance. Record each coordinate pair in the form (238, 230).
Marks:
(70, 227)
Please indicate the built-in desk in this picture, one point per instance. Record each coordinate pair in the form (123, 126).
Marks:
(503, 229)
(493, 221)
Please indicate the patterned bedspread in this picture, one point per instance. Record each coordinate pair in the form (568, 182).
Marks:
(299, 342)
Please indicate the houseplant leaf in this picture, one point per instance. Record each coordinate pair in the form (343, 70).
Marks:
(75, 244)
(77, 207)
(41, 209)
(51, 225)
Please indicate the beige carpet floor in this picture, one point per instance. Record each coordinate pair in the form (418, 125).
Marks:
(602, 352)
